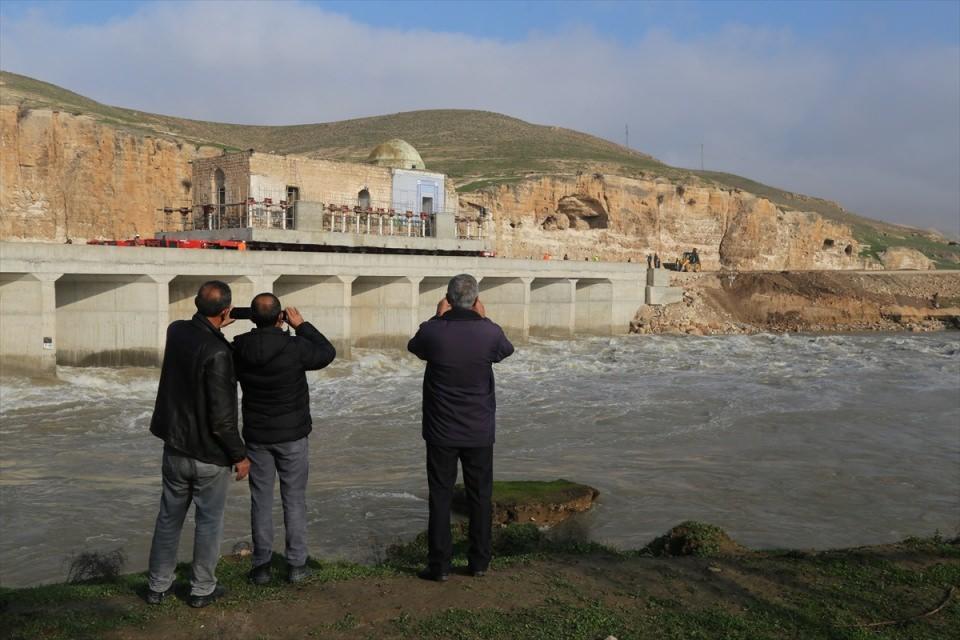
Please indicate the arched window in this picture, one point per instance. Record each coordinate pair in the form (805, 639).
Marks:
(363, 199)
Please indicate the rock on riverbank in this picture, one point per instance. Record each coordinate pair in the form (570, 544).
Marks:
(535, 502)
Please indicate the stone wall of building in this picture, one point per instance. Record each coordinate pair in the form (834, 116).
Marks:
(236, 178)
(319, 180)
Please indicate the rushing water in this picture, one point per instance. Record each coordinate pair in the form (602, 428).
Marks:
(808, 441)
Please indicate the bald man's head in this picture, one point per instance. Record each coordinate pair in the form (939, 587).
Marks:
(213, 297)
(266, 310)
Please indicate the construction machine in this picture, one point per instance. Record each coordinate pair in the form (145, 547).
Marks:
(690, 261)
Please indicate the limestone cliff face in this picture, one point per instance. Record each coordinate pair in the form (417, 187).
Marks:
(71, 176)
(67, 176)
(616, 218)
(905, 258)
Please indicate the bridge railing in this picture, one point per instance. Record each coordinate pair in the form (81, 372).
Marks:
(334, 218)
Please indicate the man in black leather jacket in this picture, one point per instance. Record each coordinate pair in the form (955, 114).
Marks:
(271, 367)
(196, 417)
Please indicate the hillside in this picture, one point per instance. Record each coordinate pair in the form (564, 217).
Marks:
(478, 149)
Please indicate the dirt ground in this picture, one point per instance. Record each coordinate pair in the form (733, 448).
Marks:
(807, 301)
(643, 587)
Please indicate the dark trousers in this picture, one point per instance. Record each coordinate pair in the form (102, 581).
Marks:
(477, 463)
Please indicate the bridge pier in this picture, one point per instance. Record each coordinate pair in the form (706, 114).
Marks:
(507, 301)
(553, 307)
(324, 301)
(432, 289)
(383, 311)
(594, 307)
(28, 324)
(110, 320)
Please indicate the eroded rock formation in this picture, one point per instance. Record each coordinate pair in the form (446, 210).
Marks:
(906, 258)
(71, 176)
(618, 218)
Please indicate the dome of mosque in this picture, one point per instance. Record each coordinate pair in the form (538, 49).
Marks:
(396, 153)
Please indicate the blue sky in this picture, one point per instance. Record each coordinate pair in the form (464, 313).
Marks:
(855, 101)
(858, 21)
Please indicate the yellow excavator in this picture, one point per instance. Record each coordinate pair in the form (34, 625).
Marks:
(690, 261)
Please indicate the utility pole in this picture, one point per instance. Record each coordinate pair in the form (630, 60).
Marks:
(626, 133)
(701, 156)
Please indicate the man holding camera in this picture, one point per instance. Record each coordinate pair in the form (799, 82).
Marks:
(271, 366)
(196, 417)
(459, 415)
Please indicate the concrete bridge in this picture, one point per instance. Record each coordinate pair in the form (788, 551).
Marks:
(110, 306)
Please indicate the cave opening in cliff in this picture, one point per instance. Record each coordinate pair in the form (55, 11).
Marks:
(583, 212)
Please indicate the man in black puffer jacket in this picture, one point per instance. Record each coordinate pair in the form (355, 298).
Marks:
(271, 366)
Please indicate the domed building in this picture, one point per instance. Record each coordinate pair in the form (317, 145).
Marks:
(243, 195)
(396, 154)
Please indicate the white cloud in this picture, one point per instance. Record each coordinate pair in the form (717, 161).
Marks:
(877, 130)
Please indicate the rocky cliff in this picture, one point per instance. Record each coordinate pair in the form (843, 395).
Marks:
(65, 174)
(72, 176)
(619, 218)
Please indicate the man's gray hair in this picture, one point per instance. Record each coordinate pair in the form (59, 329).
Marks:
(463, 291)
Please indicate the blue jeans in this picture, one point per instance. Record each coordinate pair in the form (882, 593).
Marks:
(291, 461)
(186, 480)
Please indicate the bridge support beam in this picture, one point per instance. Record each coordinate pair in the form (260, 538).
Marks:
(594, 307)
(384, 310)
(507, 301)
(324, 302)
(432, 289)
(553, 307)
(28, 324)
(627, 298)
(110, 320)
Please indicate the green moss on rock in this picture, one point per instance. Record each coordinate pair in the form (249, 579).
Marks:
(692, 538)
(543, 503)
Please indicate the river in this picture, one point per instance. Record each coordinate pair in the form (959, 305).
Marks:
(784, 441)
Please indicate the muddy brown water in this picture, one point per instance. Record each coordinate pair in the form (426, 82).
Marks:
(784, 441)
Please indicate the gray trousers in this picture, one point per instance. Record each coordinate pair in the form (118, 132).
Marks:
(291, 461)
(186, 480)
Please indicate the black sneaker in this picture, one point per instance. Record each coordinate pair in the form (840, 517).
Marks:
(198, 602)
(298, 574)
(260, 575)
(477, 573)
(430, 574)
(156, 597)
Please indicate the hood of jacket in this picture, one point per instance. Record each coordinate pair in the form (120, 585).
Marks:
(260, 346)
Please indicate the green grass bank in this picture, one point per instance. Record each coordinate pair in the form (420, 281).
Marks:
(540, 587)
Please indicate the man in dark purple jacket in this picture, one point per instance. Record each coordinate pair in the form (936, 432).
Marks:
(459, 416)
